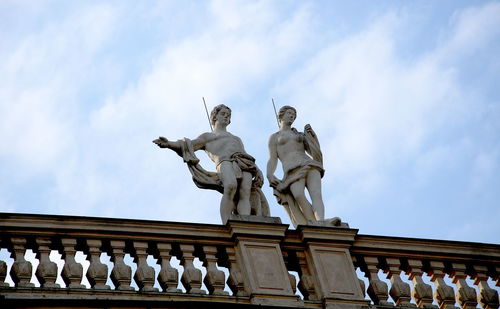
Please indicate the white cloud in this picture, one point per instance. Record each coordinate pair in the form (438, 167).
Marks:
(473, 28)
(40, 78)
(374, 109)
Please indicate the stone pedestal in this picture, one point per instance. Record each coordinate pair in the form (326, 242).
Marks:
(260, 258)
(330, 263)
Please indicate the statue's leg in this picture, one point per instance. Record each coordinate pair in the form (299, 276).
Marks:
(243, 206)
(313, 184)
(298, 193)
(230, 185)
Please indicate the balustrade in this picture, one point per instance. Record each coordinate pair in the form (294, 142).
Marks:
(438, 274)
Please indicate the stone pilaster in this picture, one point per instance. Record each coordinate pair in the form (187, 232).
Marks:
(330, 262)
(265, 276)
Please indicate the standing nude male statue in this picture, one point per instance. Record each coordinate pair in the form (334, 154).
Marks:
(238, 178)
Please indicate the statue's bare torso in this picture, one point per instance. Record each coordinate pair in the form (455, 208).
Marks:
(289, 148)
(219, 146)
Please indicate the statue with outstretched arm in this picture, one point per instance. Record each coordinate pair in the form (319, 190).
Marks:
(238, 178)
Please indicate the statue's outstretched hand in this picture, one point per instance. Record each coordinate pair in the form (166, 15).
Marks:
(162, 142)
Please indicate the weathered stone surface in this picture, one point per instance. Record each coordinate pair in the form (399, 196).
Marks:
(21, 269)
(168, 277)
(144, 275)
(215, 278)
(72, 272)
(3, 273)
(191, 277)
(465, 295)
(314, 252)
(488, 297)
(443, 293)
(306, 283)
(400, 291)
(97, 273)
(332, 268)
(121, 274)
(46, 272)
(252, 218)
(235, 279)
(377, 289)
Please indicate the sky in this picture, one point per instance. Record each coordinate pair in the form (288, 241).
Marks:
(403, 96)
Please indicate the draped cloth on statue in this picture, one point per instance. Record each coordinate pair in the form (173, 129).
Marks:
(297, 172)
(241, 162)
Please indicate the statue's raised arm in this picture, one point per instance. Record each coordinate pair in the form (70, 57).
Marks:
(237, 177)
(300, 170)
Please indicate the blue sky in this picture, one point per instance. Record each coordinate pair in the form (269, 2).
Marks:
(402, 94)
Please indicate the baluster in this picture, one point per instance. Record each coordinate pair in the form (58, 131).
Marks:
(400, 291)
(361, 282)
(421, 292)
(46, 272)
(72, 272)
(377, 289)
(214, 279)
(145, 274)
(291, 278)
(235, 279)
(168, 277)
(497, 275)
(21, 269)
(191, 277)
(121, 274)
(443, 294)
(97, 273)
(293, 282)
(465, 296)
(488, 297)
(306, 282)
(3, 273)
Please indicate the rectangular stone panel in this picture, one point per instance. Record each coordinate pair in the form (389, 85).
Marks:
(265, 268)
(335, 272)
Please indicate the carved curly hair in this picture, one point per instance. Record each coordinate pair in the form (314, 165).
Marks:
(283, 110)
(215, 111)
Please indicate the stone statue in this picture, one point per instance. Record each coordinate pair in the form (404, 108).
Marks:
(238, 178)
(300, 171)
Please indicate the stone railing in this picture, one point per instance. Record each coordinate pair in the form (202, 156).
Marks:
(147, 264)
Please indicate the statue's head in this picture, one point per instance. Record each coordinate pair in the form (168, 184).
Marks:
(283, 110)
(215, 112)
